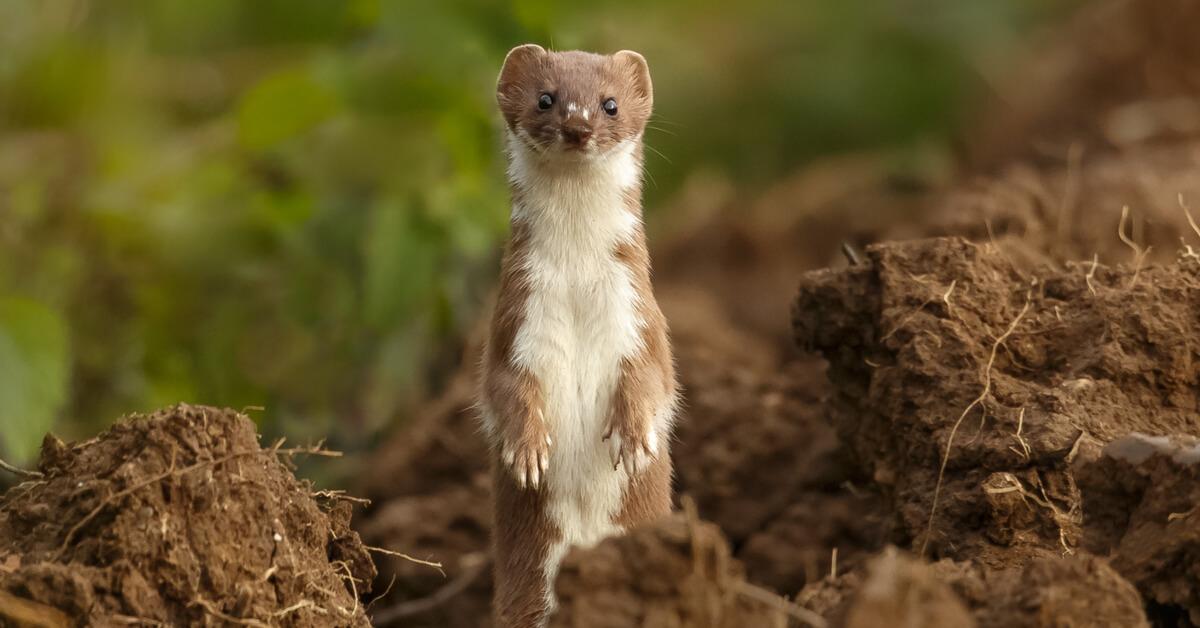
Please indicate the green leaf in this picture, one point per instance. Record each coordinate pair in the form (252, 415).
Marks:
(33, 373)
(281, 107)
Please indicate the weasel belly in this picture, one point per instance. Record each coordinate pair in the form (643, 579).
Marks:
(576, 334)
(580, 324)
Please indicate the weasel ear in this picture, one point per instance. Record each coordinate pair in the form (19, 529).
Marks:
(633, 66)
(516, 64)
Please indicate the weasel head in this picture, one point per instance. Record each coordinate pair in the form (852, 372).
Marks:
(573, 106)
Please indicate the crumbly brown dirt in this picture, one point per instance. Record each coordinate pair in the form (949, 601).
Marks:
(1141, 505)
(904, 593)
(944, 353)
(899, 590)
(940, 339)
(674, 573)
(179, 518)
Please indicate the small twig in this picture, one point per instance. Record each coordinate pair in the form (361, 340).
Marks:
(1092, 273)
(212, 610)
(946, 297)
(19, 471)
(851, 254)
(1070, 459)
(476, 565)
(382, 594)
(328, 593)
(1191, 221)
(310, 450)
(1044, 501)
(29, 613)
(437, 566)
(788, 607)
(1138, 253)
(987, 388)
(268, 573)
(341, 495)
(305, 603)
(353, 586)
(135, 621)
(833, 565)
(1024, 446)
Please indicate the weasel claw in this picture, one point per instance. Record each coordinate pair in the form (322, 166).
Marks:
(635, 455)
(527, 464)
(614, 448)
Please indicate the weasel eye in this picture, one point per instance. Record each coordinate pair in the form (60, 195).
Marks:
(545, 102)
(610, 107)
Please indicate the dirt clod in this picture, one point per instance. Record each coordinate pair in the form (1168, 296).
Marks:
(180, 518)
(965, 386)
(1082, 591)
(1141, 507)
(904, 593)
(675, 573)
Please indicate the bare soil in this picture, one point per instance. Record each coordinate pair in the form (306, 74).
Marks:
(177, 518)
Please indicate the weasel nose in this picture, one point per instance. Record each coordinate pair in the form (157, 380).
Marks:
(576, 132)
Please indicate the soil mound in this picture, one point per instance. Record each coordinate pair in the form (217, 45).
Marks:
(899, 590)
(980, 400)
(904, 593)
(676, 573)
(180, 518)
(946, 358)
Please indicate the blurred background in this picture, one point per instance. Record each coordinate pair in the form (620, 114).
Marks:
(299, 205)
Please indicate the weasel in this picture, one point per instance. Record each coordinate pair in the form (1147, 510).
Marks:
(578, 389)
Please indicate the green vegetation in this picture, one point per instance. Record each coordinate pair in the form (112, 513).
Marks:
(294, 204)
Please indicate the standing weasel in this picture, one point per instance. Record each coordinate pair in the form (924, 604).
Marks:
(578, 384)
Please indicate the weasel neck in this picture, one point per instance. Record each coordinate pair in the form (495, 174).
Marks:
(588, 190)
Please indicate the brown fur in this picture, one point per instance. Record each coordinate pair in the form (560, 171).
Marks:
(513, 393)
(523, 531)
(523, 534)
(649, 375)
(648, 496)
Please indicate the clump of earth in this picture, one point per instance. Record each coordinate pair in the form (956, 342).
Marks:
(177, 518)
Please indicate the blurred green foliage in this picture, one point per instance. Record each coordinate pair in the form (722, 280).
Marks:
(294, 204)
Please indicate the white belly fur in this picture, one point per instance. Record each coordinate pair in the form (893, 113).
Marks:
(581, 320)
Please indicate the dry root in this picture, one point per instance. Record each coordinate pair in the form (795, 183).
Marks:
(987, 389)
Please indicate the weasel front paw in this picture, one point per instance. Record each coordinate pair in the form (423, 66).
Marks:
(528, 456)
(635, 448)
